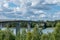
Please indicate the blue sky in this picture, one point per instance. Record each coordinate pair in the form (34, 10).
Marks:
(30, 9)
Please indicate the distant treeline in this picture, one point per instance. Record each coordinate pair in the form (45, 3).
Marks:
(32, 24)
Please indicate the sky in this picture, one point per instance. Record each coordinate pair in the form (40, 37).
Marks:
(30, 9)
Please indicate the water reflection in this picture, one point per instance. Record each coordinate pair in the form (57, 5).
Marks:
(47, 30)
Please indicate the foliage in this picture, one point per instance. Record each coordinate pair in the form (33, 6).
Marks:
(57, 31)
(23, 24)
(52, 37)
(36, 34)
(23, 35)
(10, 25)
(6, 35)
(28, 36)
(45, 37)
(18, 36)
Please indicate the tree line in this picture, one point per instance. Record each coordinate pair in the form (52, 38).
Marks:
(32, 24)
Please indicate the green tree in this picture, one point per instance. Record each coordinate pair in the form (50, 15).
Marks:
(51, 36)
(18, 36)
(36, 35)
(45, 37)
(28, 36)
(23, 35)
(57, 31)
(23, 24)
(1, 35)
(6, 35)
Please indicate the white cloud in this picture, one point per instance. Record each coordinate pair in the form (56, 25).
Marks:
(16, 9)
(24, 8)
(38, 11)
(35, 2)
(42, 15)
(6, 5)
(1, 9)
(28, 18)
(32, 16)
(56, 15)
(3, 17)
(51, 2)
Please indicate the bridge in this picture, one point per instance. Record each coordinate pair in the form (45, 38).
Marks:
(2, 23)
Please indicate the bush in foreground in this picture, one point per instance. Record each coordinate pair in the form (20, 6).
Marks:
(57, 31)
(6, 35)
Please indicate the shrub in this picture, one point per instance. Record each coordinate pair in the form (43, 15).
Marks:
(57, 31)
(23, 35)
(45, 37)
(51, 36)
(28, 36)
(36, 35)
(18, 36)
(6, 35)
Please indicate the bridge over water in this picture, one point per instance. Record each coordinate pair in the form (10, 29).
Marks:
(2, 23)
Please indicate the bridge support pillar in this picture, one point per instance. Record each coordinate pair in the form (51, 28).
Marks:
(1, 26)
(17, 28)
(29, 26)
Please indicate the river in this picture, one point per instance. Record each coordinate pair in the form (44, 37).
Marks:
(47, 30)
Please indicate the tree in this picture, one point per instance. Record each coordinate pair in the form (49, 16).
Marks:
(36, 35)
(29, 36)
(18, 36)
(51, 36)
(6, 35)
(45, 37)
(23, 35)
(23, 24)
(57, 31)
(10, 25)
